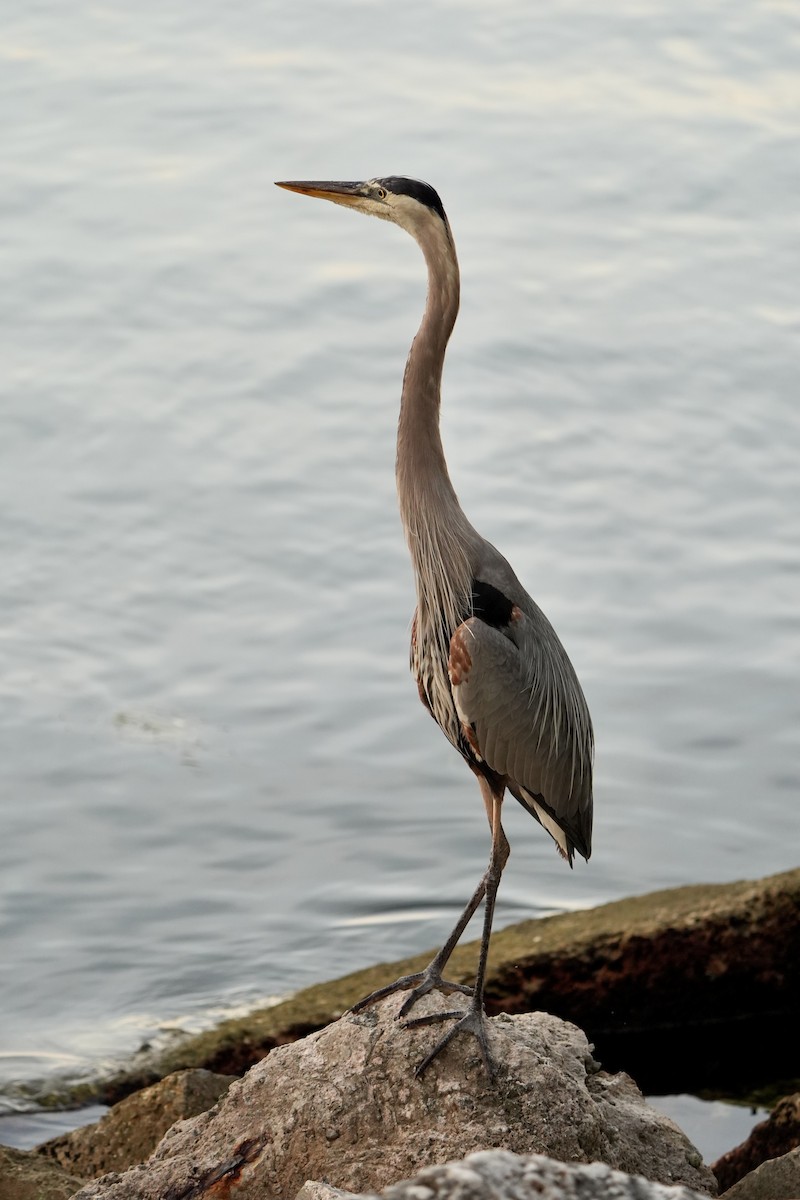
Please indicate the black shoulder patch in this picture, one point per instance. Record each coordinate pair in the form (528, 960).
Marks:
(490, 605)
(423, 192)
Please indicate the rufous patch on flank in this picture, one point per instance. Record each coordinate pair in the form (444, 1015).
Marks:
(459, 664)
(516, 614)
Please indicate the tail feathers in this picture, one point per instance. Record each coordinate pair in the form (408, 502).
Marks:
(567, 837)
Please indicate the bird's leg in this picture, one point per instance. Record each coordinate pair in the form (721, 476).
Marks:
(474, 1019)
(425, 981)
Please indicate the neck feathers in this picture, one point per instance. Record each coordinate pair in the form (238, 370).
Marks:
(439, 536)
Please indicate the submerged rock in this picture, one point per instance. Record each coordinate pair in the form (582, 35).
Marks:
(344, 1105)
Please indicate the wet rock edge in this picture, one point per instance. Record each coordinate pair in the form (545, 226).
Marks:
(691, 989)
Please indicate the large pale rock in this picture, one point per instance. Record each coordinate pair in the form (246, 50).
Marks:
(500, 1175)
(344, 1105)
(130, 1132)
(775, 1179)
(24, 1175)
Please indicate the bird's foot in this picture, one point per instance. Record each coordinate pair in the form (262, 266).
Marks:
(417, 985)
(472, 1021)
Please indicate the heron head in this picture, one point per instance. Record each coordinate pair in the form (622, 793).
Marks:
(406, 202)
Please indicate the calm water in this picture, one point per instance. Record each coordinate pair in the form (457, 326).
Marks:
(218, 782)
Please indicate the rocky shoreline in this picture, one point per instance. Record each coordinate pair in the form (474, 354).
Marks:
(690, 989)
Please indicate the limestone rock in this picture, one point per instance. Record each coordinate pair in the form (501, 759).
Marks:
(316, 1189)
(25, 1175)
(775, 1179)
(131, 1130)
(500, 1175)
(344, 1105)
(775, 1136)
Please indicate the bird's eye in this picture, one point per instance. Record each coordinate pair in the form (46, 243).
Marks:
(381, 193)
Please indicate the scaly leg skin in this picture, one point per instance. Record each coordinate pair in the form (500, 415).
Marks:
(474, 1020)
(425, 981)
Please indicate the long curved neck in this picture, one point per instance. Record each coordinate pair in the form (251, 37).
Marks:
(438, 533)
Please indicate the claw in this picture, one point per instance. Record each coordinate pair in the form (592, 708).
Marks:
(381, 993)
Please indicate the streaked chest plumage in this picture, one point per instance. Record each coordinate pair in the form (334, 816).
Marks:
(431, 641)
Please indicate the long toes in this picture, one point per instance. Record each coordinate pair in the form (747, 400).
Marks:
(488, 1062)
(422, 989)
(399, 985)
(437, 1049)
(431, 983)
(472, 1021)
(409, 1003)
(447, 985)
(483, 1045)
(431, 1019)
(419, 985)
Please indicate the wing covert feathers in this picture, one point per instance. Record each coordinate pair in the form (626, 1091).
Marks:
(523, 714)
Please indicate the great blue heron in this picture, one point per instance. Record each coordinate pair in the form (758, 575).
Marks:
(488, 664)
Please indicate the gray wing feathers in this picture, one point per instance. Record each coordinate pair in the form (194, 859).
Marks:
(519, 695)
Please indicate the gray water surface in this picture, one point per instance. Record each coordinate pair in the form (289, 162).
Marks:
(218, 782)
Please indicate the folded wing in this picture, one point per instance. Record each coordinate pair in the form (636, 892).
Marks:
(523, 713)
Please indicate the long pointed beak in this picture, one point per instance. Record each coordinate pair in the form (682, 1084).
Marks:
(340, 193)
